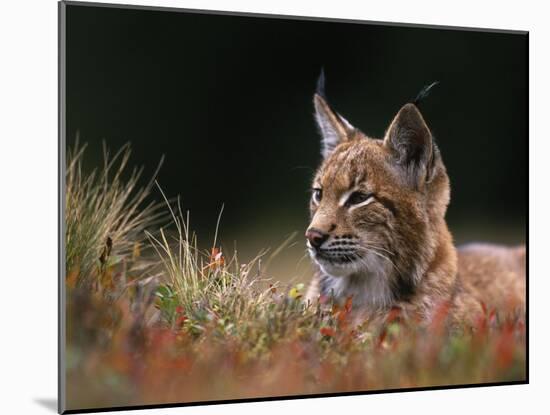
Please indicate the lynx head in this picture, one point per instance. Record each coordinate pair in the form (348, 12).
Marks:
(376, 204)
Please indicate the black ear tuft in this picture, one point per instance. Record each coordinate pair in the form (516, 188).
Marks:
(321, 84)
(424, 93)
(334, 128)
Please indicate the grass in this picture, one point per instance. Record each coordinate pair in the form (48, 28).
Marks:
(104, 208)
(196, 325)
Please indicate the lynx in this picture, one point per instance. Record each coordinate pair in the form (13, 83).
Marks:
(378, 232)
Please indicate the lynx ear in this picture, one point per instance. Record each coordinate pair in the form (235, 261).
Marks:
(410, 140)
(334, 128)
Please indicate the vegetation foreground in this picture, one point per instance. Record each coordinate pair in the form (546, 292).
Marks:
(152, 319)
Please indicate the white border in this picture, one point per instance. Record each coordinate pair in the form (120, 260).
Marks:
(28, 172)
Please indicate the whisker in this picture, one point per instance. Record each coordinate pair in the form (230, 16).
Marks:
(373, 245)
(374, 251)
(306, 254)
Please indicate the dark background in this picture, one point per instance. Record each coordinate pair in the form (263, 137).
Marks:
(228, 101)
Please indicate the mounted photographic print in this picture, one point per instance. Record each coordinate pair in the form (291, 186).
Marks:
(271, 207)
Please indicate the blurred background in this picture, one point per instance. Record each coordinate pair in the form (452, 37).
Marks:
(228, 101)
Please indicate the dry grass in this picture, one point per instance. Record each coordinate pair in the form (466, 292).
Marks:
(106, 213)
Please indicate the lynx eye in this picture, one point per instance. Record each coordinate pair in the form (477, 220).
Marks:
(317, 195)
(357, 198)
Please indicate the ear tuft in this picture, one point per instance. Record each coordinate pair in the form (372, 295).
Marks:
(334, 128)
(424, 92)
(321, 84)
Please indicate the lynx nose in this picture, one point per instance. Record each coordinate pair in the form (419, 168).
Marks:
(316, 237)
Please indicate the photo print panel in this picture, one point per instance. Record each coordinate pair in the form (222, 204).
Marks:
(261, 207)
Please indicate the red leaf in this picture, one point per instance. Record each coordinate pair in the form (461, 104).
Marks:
(381, 338)
(440, 315)
(181, 320)
(393, 315)
(348, 304)
(327, 331)
(505, 348)
(484, 308)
